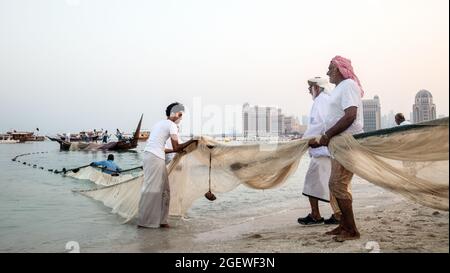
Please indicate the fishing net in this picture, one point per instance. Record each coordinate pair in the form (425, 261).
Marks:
(85, 146)
(98, 177)
(409, 160)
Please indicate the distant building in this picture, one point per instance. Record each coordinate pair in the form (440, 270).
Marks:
(292, 126)
(442, 116)
(391, 119)
(372, 114)
(260, 121)
(424, 109)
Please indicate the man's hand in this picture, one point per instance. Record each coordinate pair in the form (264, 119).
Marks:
(313, 143)
(324, 140)
(187, 144)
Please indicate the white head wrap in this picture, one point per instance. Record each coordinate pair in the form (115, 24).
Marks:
(319, 81)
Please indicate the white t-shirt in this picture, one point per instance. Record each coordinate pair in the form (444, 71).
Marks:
(158, 137)
(343, 96)
(405, 122)
(169, 157)
(316, 123)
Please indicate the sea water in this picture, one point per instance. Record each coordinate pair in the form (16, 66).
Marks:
(40, 213)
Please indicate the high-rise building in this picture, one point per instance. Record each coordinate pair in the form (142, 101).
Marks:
(292, 125)
(424, 109)
(372, 114)
(260, 121)
(388, 120)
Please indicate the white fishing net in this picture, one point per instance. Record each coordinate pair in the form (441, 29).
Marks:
(410, 160)
(98, 177)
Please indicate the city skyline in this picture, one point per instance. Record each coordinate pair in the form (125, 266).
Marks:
(74, 65)
(216, 123)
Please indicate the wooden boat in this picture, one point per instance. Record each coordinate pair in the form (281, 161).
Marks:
(122, 145)
(7, 139)
(25, 136)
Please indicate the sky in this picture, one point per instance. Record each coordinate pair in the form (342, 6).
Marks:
(70, 65)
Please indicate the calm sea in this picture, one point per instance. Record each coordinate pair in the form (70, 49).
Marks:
(40, 213)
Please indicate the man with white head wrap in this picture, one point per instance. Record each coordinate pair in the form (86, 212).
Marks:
(318, 174)
(155, 193)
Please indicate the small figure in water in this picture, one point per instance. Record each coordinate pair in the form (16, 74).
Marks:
(108, 166)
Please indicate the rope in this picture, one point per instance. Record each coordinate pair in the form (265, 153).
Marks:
(209, 195)
(132, 169)
(64, 170)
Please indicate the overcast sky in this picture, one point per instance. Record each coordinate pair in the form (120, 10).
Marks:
(68, 65)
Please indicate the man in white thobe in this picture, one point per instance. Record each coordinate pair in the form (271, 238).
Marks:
(316, 181)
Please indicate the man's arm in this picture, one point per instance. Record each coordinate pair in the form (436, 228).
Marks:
(101, 164)
(179, 147)
(94, 164)
(340, 126)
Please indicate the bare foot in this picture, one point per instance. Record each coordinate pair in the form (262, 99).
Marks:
(346, 236)
(335, 231)
(164, 226)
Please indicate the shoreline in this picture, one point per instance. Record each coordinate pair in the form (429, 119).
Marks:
(387, 223)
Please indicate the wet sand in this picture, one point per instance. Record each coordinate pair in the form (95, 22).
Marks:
(387, 223)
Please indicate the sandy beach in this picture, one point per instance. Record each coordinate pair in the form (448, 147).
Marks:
(387, 223)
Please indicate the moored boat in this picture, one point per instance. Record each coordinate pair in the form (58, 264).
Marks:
(25, 136)
(7, 139)
(121, 145)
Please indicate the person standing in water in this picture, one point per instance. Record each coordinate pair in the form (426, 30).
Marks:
(155, 193)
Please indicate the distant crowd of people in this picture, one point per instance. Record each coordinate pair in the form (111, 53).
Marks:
(94, 136)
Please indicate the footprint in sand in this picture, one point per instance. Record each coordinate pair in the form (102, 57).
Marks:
(255, 236)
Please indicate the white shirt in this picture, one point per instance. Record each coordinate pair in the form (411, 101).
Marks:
(316, 123)
(346, 94)
(405, 122)
(159, 134)
(169, 157)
